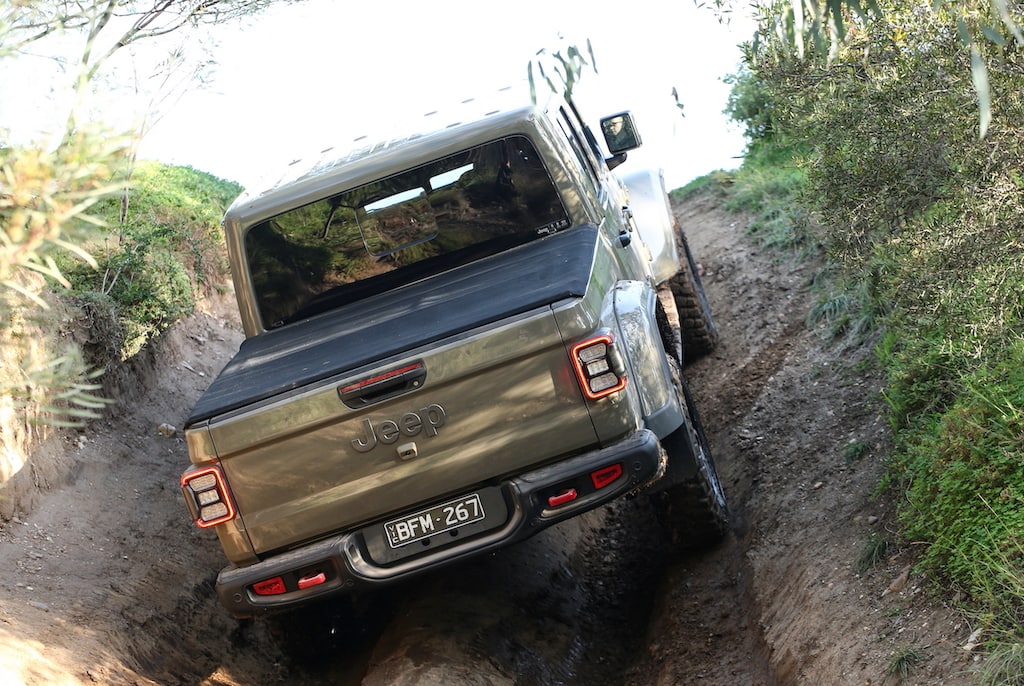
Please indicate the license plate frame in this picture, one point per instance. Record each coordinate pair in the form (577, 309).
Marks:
(429, 522)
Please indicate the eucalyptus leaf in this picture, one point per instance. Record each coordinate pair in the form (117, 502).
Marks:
(993, 34)
(979, 75)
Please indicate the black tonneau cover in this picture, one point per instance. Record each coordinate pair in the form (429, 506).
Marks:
(538, 273)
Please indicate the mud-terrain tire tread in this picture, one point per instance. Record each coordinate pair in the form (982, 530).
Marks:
(692, 510)
(700, 335)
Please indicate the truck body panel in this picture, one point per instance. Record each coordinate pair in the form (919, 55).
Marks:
(462, 427)
(648, 198)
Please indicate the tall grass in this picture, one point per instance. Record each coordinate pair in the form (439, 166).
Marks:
(922, 224)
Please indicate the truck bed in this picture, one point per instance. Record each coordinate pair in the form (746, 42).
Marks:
(535, 274)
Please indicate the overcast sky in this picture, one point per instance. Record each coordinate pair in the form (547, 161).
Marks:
(301, 76)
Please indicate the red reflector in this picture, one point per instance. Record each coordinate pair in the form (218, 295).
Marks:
(311, 580)
(566, 496)
(273, 586)
(604, 476)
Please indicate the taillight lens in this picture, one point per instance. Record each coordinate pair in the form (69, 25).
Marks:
(207, 496)
(598, 367)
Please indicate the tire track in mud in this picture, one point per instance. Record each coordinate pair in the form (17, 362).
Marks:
(705, 628)
(785, 601)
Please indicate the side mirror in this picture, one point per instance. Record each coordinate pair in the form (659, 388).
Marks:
(620, 133)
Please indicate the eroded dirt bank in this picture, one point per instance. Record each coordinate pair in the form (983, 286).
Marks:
(797, 427)
(106, 582)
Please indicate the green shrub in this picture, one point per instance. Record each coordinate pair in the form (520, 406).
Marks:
(1003, 665)
(903, 662)
(963, 472)
(921, 227)
(874, 552)
(768, 187)
(750, 103)
(716, 183)
(163, 248)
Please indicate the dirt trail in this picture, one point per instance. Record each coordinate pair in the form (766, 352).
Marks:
(797, 428)
(107, 582)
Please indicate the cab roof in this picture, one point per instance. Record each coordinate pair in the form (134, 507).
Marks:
(408, 142)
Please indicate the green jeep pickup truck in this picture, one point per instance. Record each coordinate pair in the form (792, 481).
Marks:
(454, 338)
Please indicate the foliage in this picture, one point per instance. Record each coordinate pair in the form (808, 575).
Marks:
(560, 72)
(182, 207)
(855, 450)
(126, 22)
(846, 307)
(791, 31)
(964, 481)
(70, 396)
(47, 204)
(921, 222)
(716, 183)
(50, 192)
(767, 187)
(875, 551)
(1003, 666)
(750, 103)
(159, 257)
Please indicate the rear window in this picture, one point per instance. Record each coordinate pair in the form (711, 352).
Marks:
(400, 229)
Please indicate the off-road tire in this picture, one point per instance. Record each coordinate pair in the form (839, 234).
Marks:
(691, 509)
(700, 335)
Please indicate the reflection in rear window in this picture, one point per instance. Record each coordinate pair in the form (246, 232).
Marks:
(399, 229)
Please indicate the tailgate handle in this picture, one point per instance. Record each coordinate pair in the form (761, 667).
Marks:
(378, 387)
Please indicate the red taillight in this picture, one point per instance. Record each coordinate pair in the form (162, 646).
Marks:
(207, 495)
(598, 367)
(273, 586)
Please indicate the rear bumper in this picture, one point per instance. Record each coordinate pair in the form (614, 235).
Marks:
(533, 501)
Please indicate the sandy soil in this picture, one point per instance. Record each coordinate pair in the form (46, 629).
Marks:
(106, 581)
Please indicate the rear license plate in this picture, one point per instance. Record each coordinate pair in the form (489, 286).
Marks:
(436, 520)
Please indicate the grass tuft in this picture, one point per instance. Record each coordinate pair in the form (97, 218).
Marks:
(855, 450)
(873, 553)
(904, 662)
(1003, 665)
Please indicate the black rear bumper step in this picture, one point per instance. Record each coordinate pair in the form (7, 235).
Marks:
(533, 501)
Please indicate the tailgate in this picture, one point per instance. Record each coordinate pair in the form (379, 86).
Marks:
(458, 415)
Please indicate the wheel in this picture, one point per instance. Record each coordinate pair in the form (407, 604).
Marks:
(691, 507)
(700, 335)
